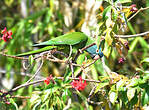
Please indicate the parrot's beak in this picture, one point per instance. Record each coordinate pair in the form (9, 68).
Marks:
(96, 57)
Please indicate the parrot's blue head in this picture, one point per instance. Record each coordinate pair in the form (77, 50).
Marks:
(94, 51)
(100, 53)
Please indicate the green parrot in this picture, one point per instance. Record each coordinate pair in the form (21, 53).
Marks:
(77, 40)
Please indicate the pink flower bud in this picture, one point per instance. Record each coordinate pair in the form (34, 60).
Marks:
(133, 8)
(47, 80)
(79, 84)
(121, 60)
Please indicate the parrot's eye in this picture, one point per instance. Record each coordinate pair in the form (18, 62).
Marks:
(97, 51)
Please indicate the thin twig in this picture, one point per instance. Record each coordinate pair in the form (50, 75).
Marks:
(70, 53)
(90, 63)
(87, 46)
(90, 95)
(83, 67)
(21, 97)
(106, 68)
(141, 9)
(70, 61)
(39, 56)
(36, 72)
(96, 103)
(11, 56)
(130, 36)
(81, 50)
(141, 34)
(71, 67)
(21, 86)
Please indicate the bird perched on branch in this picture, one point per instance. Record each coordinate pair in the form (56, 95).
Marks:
(62, 43)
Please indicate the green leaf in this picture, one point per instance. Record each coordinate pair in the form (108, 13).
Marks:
(36, 29)
(36, 105)
(143, 43)
(100, 0)
(98, 41)
(65, 95)
(113, 97)
(146, 77)
(123, 1)
(94, 72)
(145, 60)
(46, 95)
(9, 2)
(107, 12)
(131, 28)
(131, 93)
(13, 102)
(114, 14)
(133, 82)
(107, 49)
(108, 37)
(34, 16)
(101, 85)
(120, 84)
(144, 98)
(133, 45)
(80, 59)
(31, 59)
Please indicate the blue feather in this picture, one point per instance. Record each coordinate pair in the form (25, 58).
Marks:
(93, 51)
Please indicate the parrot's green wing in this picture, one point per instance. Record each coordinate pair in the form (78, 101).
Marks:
(37, 51)
(66, 39)
(78, 39)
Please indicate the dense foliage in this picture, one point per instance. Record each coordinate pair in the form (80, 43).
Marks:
(119, 80)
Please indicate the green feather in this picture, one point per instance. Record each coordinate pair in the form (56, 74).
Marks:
(77, 40)
(66, 39)
(37, 51)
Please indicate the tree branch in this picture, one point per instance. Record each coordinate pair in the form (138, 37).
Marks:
(130, 36)
(141, 9)
(36, 72)
(39, 81)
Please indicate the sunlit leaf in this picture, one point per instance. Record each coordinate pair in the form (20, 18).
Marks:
(8, 2)
(131, 93)
(101, 85)
(123, 1)
(106, 12)
(108, 37)
(145, 60)
(31, 59)
(114, 14)
(94, 72)
(113, 97)
(133, 82)
(120, 84)
(107, 50)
